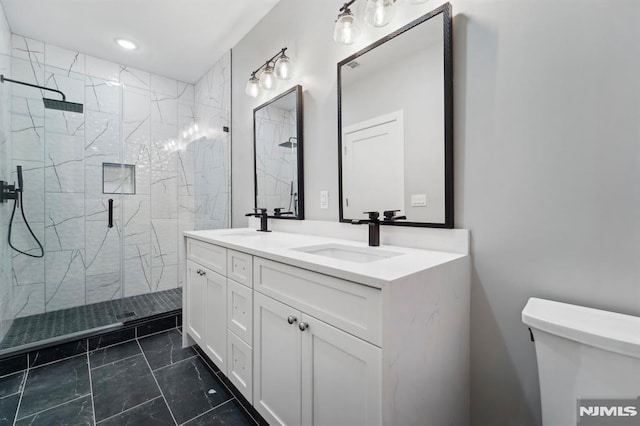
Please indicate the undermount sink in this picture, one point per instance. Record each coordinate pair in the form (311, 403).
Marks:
(349, 253)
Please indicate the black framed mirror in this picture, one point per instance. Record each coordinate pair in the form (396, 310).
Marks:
(277, 161)
(395, 125)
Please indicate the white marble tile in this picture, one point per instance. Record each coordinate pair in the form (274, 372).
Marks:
(64, 163)
(64, 59)
(186, 92)
(164, 85)
(164, 242)
(187, 209)
(164, 194)
(103, 247)
(28, 50)
(137, 270)
(103, 287)
(132, 77)
(71, 84)
(97, 210)
(65, 279)
(164, 143)
(214, 87)
(64, 221)
(186, 168)
(27, 129)
(102, 138)
(136, 116)
(102, 95)
(28, 72)
(105, 70)
(137, 220)
(164, 277)
(164, 109)
(140, 156)
(28, 300)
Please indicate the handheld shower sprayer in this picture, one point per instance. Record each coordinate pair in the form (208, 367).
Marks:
(15, 192)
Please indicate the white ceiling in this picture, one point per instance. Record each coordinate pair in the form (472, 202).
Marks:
(180, 39)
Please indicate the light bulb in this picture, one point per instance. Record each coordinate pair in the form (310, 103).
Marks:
(253, 88)
(267, 78)
(379, 13)
(346, 30)
(283, 69)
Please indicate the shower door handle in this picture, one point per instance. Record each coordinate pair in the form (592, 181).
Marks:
(110, 224)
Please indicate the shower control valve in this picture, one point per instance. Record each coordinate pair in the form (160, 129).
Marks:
(7, 192)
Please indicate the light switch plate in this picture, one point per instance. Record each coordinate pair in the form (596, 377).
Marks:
(324, 199)
(419, 200)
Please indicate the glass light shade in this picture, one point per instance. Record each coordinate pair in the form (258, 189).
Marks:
(379, 13)
(267, 78)
(346, 30)
(253, 87)
(283, 69)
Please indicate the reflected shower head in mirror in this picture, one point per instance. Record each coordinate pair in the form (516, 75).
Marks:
(60, 105)
(290, 143)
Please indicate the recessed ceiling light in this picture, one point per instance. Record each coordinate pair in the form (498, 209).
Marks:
(126, 44)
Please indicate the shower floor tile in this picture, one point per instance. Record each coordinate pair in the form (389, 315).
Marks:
(51, 325)
(118, 387)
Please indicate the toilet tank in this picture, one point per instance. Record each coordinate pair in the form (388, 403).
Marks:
(585, 354)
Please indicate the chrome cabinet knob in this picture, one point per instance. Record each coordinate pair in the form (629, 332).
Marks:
(303, 326)
(291, 319)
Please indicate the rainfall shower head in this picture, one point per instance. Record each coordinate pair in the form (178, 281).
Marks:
(62, 105)
(289, 144)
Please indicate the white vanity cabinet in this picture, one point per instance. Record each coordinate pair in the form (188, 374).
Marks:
(310, 343)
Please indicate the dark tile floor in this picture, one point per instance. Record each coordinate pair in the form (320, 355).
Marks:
(35, 328)
(148, 380)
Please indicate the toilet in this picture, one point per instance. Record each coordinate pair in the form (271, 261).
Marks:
(585, 353)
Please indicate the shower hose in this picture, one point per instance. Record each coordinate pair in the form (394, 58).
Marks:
(18, 200)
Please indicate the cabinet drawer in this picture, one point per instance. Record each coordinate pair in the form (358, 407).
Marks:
(209, 255)
(240, 369)
(240, 310)
(240, 267)
(351, 307)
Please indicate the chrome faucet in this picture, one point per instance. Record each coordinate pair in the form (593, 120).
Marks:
(374, 224)
(263, 218)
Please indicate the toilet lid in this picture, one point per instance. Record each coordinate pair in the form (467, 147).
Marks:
(603, 329)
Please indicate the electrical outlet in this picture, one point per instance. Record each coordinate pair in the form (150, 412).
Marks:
(324, 199)
(419, 200)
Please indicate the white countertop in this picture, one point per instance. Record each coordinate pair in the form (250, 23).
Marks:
(278, 246)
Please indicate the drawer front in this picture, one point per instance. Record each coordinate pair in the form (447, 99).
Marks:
(240, 310)
(240, 267)
(349, 306)
(209, 255)
(240, 369)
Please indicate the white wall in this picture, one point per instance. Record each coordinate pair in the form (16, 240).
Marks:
(547, 160)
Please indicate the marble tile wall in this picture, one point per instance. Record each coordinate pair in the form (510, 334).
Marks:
(5, 164)
(131, 117)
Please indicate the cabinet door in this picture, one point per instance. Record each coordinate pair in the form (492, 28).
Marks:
(341, 377)
(195, 294)
(276, 355)
(216, 319)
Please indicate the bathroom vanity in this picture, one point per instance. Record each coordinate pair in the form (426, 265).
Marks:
(321, 331)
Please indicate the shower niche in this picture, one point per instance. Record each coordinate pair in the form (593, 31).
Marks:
(118, 178)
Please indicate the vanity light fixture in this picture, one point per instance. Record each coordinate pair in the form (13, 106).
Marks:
(346, 30)
(379, 13)
(278, 67)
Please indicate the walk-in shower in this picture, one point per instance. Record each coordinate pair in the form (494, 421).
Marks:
(103, 168)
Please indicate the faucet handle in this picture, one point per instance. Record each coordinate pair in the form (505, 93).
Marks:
(373, 215)
(256, 210)
(390, 215)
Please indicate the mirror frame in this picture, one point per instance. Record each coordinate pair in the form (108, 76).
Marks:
(299, 157)
(445, 10)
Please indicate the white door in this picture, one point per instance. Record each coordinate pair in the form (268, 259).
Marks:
(341, 377)
(196, 290)
(373, 166)
(276, 357)
(216, 319)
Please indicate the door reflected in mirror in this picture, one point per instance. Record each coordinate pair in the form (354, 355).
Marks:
(278, 141)
(395, 125)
